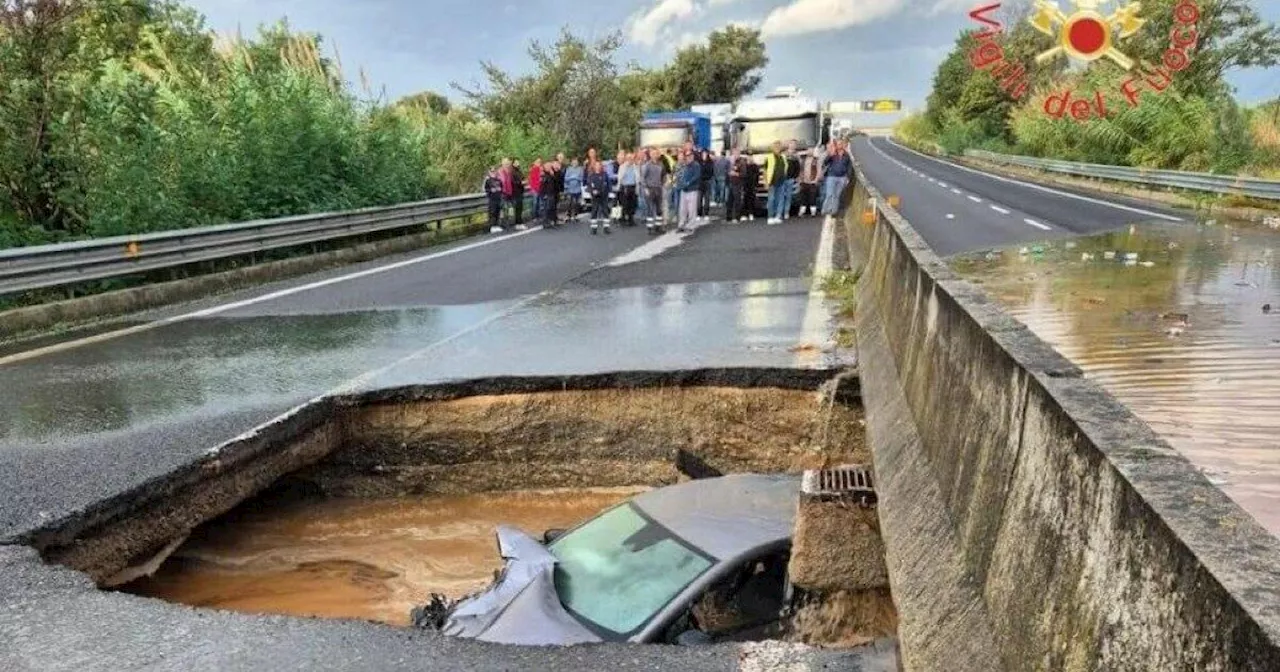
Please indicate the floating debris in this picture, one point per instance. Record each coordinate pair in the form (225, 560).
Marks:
(1085, 256)
(1109, 255)
(1131, 256)
(1148, 264)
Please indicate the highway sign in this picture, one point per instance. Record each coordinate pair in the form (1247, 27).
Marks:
(881, 105)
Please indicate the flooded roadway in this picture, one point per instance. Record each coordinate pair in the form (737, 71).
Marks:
(1180, 323)
(360, 559)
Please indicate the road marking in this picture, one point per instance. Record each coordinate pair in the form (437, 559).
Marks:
(650, 249)
(957, 192)
(950, 216)
(944, 185)
(214, 310)
(999, 209)
(975, 199)
(1038, 225)
(1038, 187)
(815, 328)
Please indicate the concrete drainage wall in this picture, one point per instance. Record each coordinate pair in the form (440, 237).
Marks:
(1032, 522)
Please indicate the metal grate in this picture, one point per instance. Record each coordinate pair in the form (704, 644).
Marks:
(846, 482)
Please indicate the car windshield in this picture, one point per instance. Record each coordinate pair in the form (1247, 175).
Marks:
(620, 569)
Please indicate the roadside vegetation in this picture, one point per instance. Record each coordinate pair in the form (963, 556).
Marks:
(1196, 124)
(130, 116)
(841, 286)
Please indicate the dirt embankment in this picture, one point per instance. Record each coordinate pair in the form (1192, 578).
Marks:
(597, 438)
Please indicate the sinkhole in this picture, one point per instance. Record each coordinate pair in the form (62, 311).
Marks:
(386, 506)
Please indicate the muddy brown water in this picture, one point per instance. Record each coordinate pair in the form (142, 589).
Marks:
(363, 559)
(1180, 334)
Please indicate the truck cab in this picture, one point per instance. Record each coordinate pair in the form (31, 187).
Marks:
(674, 129)
(782, 116)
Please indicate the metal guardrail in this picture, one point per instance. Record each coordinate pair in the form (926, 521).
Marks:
(1208, 182)
(39, 267)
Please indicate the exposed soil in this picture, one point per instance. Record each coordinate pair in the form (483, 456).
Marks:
(598, 438)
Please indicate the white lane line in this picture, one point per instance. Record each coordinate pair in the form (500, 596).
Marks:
(975, 199)
(1038, 187)
(944, 185)
(1038, 225)
(957, 192)
(999, 209)
(214, 310)
(815, 328)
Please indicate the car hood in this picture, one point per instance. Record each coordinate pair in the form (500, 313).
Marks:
(522, 606)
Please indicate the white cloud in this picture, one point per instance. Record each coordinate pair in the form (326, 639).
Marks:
(648, 27)
(812, 16)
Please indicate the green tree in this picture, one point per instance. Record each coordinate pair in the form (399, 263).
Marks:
(1232, 35)
(575, 91)
(729, 66)
(430, 101)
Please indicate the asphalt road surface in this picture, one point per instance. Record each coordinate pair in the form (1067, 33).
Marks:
(960, 209)
(80, 420)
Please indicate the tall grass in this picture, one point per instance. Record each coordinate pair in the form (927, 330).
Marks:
(153, 125)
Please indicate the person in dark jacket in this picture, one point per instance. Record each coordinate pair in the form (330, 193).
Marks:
(517, 195)
(598, 186)
(735, 174)
(550, 202)
(493, 191)
(750, 185)
(706, 173)
(839, 167)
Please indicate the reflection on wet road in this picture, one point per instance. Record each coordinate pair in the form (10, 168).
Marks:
(105, 417)
(1173, 321)
(217, 365)
(373, 560)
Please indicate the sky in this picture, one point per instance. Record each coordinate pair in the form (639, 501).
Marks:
(833, 49)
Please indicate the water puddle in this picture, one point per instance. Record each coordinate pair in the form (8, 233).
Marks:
(1180, 323)
(360, 559)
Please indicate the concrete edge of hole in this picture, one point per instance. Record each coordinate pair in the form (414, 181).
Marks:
(95, 540)
(55, 617)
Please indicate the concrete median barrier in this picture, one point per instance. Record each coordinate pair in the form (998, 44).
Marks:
(1032, 522)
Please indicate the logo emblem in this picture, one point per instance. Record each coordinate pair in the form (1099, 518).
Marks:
(1087, 34)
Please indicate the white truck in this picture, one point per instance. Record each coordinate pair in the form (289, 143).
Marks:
(782, 116)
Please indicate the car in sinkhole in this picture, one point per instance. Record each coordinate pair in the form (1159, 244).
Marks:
(700, 562)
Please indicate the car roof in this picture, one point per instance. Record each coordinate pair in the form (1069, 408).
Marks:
(727, 516)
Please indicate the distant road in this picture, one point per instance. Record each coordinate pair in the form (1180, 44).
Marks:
(959, 209)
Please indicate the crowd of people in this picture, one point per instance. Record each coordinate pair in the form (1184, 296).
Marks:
(662, 188)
